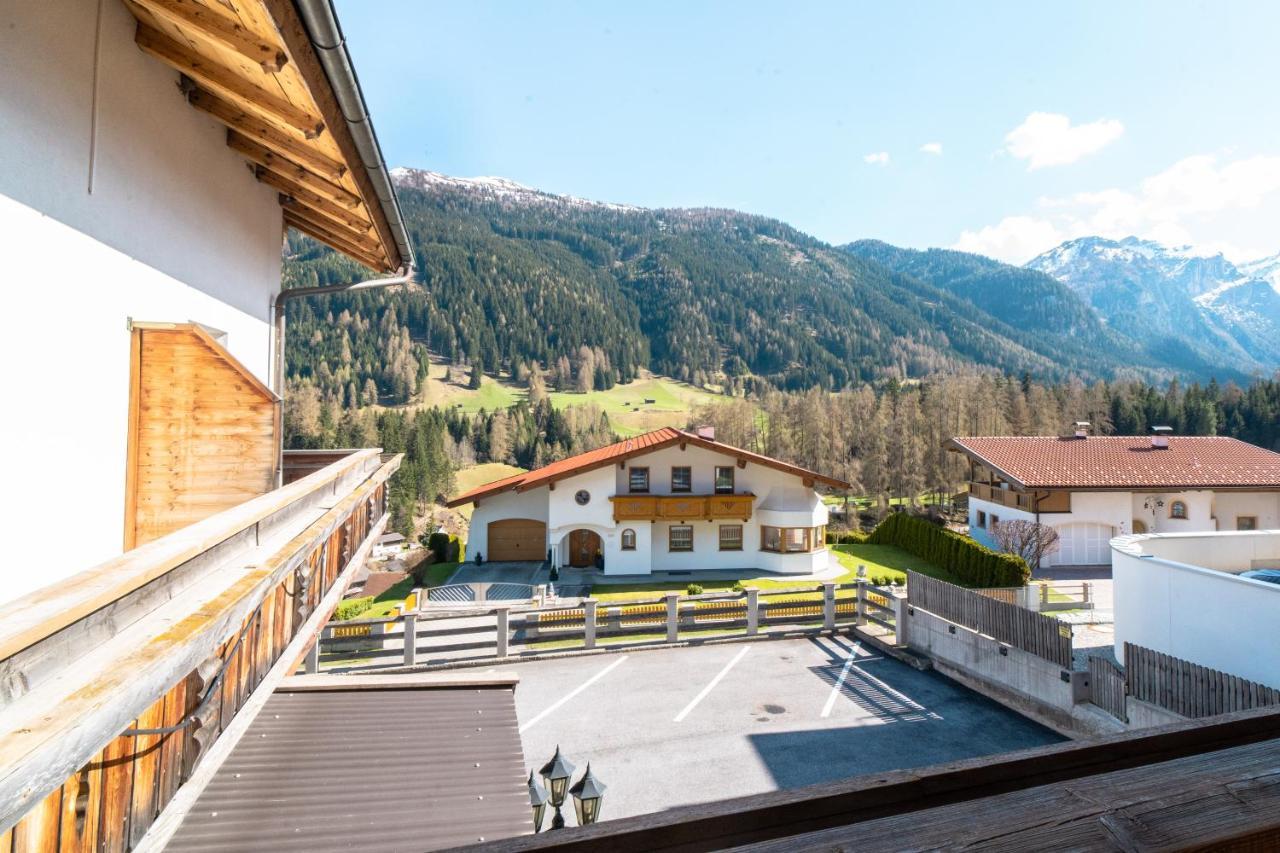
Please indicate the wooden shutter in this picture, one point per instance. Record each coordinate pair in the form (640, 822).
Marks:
(203, 431)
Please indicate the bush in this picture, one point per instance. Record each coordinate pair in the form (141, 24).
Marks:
(439, 545)
(970, 562)
(738, 587)
(848, 537)
(352, 607)
(693, 589)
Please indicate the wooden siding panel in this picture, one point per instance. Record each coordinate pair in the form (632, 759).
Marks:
(203, 433)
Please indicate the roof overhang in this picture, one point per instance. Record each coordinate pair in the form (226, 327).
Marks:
(277, 74)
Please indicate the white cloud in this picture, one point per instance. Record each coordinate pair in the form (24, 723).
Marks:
(1014, 239)
(1049, 139)
(879, 158)
(932, 148)
(1197, 201)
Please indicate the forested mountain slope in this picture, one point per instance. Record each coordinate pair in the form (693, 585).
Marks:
(510, 276)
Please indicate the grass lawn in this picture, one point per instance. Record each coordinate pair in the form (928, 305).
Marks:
(887, 561)
(629, 414)
(472, 476)
(384, 605)
(438, 573)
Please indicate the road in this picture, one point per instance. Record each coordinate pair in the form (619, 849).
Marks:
(686, 725)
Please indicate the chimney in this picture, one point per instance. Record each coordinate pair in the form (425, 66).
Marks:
(1160, 437)
(707, 432)
(1082, 429)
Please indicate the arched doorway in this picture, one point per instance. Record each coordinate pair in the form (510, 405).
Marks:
(584, 547)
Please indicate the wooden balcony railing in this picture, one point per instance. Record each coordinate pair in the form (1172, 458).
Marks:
(681, 507)
(117, 683)
(1055, 501)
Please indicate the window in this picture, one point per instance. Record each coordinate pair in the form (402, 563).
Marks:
(731, 537)
(792, 540)
(682, 478)
(639, 480)
(680, 538)
(628, 540)
(582, 497)
(1178, 509)
(1246, 522)
(995, 519)
(982, 519)
(724, 479)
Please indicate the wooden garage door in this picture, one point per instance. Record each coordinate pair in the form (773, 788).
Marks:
(517, 539)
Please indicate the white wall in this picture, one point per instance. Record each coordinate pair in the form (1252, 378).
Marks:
(176, 229)
(1179, 594)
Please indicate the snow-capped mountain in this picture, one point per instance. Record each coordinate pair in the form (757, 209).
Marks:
(497, 188)
(1177, 299)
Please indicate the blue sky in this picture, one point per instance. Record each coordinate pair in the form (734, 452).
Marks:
(1051, 120)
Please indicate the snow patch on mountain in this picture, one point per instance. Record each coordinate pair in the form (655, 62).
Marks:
(495, 187)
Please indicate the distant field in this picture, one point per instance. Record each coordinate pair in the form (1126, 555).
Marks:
(469, 478)
(493, 393)
(628, 411)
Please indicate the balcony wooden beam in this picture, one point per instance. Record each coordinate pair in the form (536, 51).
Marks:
(206, 24)
(294, 171)
(228, 83)
(249, 124)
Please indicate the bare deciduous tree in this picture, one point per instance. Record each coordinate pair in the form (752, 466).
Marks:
(1030, 540)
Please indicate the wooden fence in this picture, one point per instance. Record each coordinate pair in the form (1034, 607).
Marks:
(1107, 690)
(1032, 632)
(1190, 689)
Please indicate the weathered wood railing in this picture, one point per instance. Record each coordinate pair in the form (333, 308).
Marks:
(1106, 687)
(116, 684)
(1032, 632)
(1189, 689)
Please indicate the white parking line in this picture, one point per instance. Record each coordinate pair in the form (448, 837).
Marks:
(719, 676)
(574, 692)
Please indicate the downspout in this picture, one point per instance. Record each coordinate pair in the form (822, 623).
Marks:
(404, 276)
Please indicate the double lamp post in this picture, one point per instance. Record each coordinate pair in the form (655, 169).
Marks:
(587, 794)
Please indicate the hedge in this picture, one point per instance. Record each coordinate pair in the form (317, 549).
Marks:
(851, 537)
(970, 562)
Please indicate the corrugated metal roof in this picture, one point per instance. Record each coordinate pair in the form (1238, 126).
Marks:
(625, 449)
(1189, 462)
(381, 765)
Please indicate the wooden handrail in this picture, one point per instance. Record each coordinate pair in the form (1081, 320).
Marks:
(34, 617)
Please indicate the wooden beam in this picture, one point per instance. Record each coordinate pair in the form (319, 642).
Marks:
(203, 22)
(365, 242)
(296, 41)
(336, 215)
(359, 222)
(287, 168)
(227, 83)
(258, 130)
(335, 243)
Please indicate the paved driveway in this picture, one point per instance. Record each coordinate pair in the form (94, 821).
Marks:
(678, 726)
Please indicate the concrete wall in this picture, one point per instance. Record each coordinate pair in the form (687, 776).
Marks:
(1179, 594)
(175, 229)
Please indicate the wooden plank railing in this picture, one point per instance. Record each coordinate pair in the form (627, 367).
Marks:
(681, 507)
(1189, 689)
(1106, 687)
(1032, 632)
(112, 724)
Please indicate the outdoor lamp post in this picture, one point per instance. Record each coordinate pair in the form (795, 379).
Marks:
(556, 774)
(587, 796)
(538, 801)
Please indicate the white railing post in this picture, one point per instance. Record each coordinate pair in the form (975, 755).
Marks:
(900, 620)
(589, 623)
(504, 630)
(860, 608)
(673, 615)
(312, 664)
(753, 612)
(829, 606)
(410, 639)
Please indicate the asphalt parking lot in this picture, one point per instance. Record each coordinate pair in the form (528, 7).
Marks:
(679, 726)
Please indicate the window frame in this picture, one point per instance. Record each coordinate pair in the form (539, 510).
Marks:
(688, 486)
(631, 482)
(628, 533)
(982, 519)
(732, 480)
(741, 536)
(1252, 519)
(1174, 512)
(671, 547)
(811, 539)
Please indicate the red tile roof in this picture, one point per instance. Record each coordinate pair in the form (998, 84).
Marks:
(625, 449)
(1119, 462)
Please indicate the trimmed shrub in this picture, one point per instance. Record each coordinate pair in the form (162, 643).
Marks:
(848, 537)
(693, 589)
(970, 562)
(439, 545)
(738, 587)
(352, 607)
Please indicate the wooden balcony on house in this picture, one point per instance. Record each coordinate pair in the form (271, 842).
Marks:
(1048, 501)
(117, 683)
(681, 507)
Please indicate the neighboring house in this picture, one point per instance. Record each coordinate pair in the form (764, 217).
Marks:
(668, 500)
(389, 544)
(1182, 594)
(1091, 488)
(151, 156)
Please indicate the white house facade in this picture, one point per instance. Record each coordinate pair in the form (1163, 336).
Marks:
(122, 205)
(1094, 488)
(669, 500)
